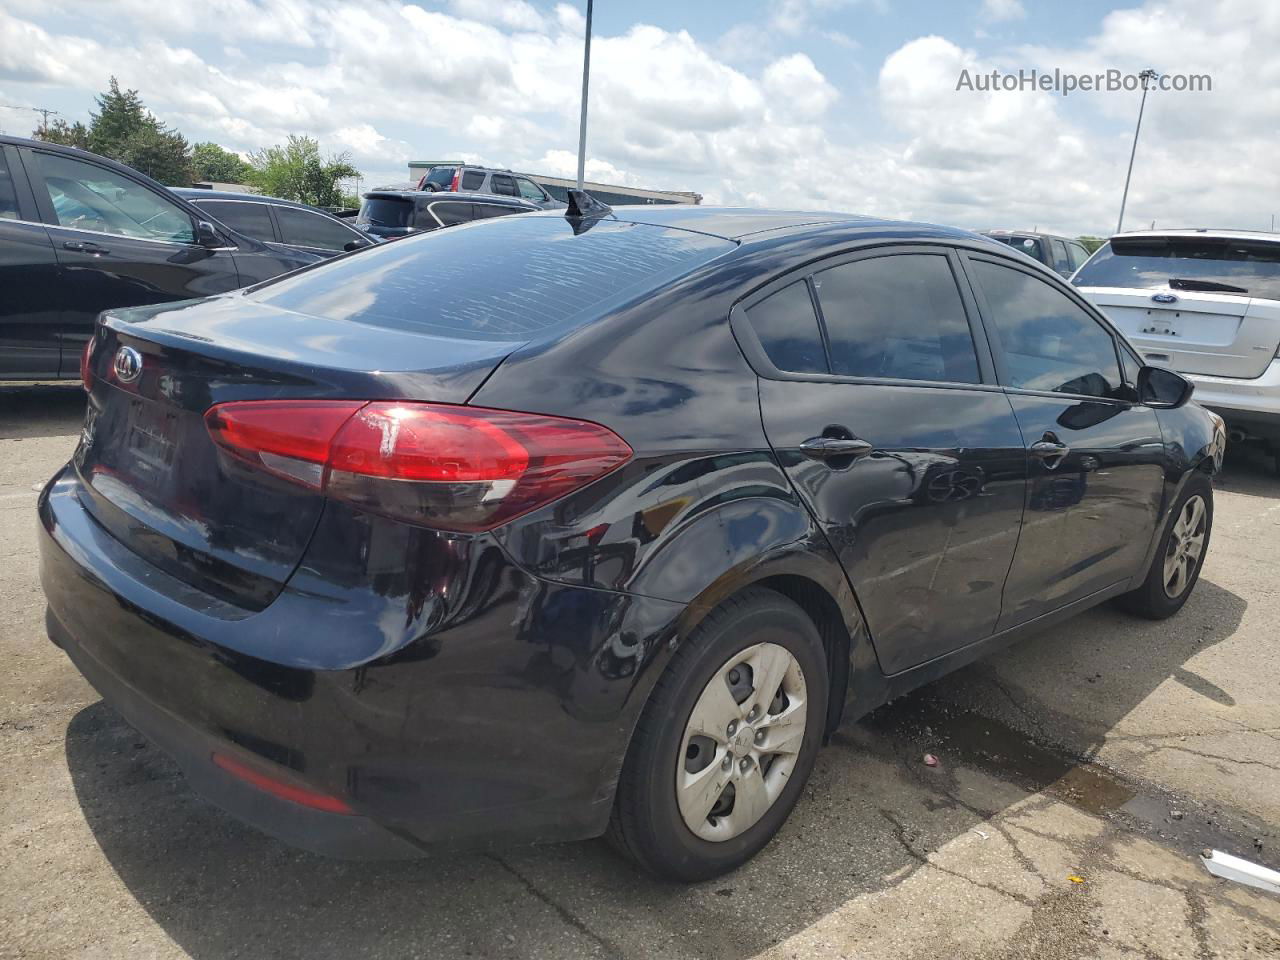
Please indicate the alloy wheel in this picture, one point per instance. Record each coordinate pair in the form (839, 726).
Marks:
(1186, 543)
(741, 742)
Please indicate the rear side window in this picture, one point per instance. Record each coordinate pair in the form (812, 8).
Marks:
(1046, 340)
(1208, 264)
(385, 212)
(483, 210)
(472, 179)
(306, 229)
(251, 219)
(8, 196)
(504, 186)
(510, 281)
(449, 213)
(787, 328)
(897, 317)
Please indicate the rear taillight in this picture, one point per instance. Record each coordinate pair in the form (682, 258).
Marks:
(86, 363)
(443, 466)
(453, 184)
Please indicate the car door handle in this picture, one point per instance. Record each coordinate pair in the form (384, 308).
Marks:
(1051, 450)
(832, 448)
(84, 247)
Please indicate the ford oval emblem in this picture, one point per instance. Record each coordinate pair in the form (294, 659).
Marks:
(128, 365)
(1165, 298)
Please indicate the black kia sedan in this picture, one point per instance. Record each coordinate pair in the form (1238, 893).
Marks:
(80, 234)
(550, 526)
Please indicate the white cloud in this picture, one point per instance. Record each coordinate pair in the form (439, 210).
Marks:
(1001, 10)
(516, 14)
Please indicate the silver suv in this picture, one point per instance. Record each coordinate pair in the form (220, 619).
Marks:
(1207, 304)
(463, 178)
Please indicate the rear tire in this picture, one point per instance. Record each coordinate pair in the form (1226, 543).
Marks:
(710, 778)
(1175, 567)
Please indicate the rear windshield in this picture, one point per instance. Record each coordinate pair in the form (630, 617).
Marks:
(510, 278)
(440, 176)
(1028, 245)
(385, 212)
(1145, 262)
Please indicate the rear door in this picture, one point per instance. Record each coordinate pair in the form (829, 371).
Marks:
(1199, 304)
(30, 308)
(882, 408)
(1095, 456)
(120, 243)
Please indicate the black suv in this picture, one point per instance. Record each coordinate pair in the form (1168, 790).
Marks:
(398, 213)
(80, 234)
(1061, 254)
(294, 228)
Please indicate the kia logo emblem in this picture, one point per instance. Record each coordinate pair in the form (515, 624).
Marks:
(1165, 298)
(128, 365)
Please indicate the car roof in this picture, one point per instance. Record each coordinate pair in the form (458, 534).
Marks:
(1203, 232)
(746, 224)
(1028, 233)
(196, 193)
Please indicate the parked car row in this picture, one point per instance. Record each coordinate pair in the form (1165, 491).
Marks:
(467, 178)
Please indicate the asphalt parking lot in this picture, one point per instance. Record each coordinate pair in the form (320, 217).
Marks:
(1108, 750)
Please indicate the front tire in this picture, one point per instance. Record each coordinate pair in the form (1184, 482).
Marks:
(1175, 568)
(726, 742)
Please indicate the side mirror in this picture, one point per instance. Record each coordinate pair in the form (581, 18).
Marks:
(356, 245)
(1162, 388)
(207, 235)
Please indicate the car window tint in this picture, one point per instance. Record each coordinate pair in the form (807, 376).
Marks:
(472, 179)
(449, 213)
(504, 186)
(897, 316)
(8, 196)
(306, 229)
(483, 210)
(251, 219)
(386, 212)
(787, 327)
(1060, 261)
(1047, 341)
(88, 197)
(530, 190)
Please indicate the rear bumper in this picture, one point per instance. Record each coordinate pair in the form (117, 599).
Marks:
(1249, 405)
(502, 719)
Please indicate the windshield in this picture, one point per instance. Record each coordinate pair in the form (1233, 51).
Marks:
(507, 279)
(385, 212)
(1146, 262)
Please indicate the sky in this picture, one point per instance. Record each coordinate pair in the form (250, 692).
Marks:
(811, 104)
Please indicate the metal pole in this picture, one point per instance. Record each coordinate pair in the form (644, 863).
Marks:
(1146, 75)
(582, 124)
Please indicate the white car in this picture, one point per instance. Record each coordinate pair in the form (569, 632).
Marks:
(1207, 304)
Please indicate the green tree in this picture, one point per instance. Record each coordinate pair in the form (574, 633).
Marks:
(120, 116)
(296, 171)
(159, 153)
(1092, 243)
(68, 134)
(212, 162)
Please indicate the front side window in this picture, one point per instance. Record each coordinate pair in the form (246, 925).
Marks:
(1046, 340)
(88, 197)
(530, 190)
(1078, 255)
(472, 179)
(303, 228)
(897, 317)
(787, 328)
(503, 185)
(1060, 261)
(251, 219)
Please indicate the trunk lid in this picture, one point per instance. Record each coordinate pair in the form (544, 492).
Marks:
(153, 476)
(1212, 334)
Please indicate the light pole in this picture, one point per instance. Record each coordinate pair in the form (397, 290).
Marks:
(1147, 76)
(582, 123)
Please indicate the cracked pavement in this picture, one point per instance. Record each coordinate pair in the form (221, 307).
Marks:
(1106, 749)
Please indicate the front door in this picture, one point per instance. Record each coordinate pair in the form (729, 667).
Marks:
(119, 242)
(1096, 477)
(884, 415)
